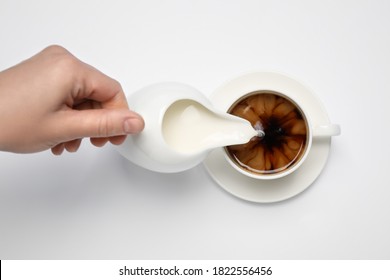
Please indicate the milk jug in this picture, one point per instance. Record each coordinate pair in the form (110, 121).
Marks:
(181, 128)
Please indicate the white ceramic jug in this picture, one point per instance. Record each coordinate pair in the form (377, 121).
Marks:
(181, 127)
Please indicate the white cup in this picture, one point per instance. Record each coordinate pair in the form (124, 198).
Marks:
(280, 85)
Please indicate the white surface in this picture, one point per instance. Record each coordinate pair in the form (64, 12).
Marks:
(94, 204)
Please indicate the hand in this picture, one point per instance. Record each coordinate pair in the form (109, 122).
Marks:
(53, 100)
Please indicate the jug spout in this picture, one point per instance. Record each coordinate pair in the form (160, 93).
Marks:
(190, 127)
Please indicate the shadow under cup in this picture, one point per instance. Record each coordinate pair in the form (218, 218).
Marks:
(284, 143)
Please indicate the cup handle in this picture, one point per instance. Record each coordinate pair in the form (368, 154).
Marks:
(326, 130)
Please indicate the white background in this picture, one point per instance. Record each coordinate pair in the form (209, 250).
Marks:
(95, 204)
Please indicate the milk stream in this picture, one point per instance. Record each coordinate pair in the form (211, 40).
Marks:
(189, 127)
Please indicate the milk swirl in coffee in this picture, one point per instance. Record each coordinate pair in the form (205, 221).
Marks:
(285, 133)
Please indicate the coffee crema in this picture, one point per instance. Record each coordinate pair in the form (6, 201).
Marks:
(285, 133)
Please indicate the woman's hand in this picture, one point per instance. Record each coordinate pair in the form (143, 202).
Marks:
(53, 100)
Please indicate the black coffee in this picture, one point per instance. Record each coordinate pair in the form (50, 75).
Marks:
(285, 128)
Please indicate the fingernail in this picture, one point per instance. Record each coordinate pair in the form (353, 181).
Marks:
(133, 125)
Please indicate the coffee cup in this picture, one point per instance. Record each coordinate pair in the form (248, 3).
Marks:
(280, 109)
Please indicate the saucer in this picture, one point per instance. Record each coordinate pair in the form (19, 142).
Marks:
(266, 191)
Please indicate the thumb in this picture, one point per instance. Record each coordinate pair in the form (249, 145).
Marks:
(101, 123)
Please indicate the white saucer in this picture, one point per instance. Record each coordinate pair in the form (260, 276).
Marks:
(266, 191)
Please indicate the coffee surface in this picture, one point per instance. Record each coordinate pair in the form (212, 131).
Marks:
(284, 139)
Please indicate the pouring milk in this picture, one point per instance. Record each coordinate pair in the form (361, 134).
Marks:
(181, 128)
(189, 127)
